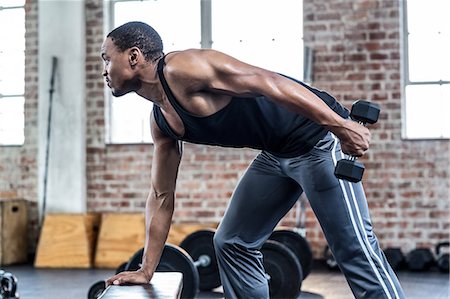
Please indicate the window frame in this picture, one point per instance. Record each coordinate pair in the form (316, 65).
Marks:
(406, 80)
(8, 96)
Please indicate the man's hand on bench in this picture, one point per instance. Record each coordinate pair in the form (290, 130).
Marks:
(129, 277)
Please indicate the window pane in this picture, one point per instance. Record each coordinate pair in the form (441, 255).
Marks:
(428, 57)
(179, 28)
(12, 73)
(429, 16)
(427, 109)
(12, 47)
(261, 32)
(130, 119)
(12, 121)
(12, 3)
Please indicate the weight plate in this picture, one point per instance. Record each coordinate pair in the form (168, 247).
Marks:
(284, 269)
(173, 259)
(96, 290)
(299, 246)
(121, 268)
(200, 243)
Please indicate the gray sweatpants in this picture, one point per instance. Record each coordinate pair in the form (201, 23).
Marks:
(268, 190)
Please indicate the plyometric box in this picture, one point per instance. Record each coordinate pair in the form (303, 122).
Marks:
(67, 241)
(14, 236)
(121, 235)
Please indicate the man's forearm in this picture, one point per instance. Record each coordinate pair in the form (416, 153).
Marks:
(159, 211)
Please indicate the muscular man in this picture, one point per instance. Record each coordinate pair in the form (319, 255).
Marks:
(207, 97)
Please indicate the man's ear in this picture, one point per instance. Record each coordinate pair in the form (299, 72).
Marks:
(134, 56)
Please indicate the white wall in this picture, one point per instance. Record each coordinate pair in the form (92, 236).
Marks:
(62, 34)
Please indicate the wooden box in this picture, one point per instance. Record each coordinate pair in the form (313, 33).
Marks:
(14, 237)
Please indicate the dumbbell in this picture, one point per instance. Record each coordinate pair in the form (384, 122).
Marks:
(395, 258)
(420, 259)
(349, 169)
(442, 258)
(8, 285)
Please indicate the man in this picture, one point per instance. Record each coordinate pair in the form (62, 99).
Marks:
(207, 97)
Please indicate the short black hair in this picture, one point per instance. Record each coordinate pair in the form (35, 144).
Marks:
(141, 35)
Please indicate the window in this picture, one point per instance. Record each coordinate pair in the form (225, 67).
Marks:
(427, 69)
(179, 29)
(261, 32)
(265, 33)
(12, 71)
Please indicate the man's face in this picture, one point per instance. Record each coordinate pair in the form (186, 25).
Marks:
(117, 70)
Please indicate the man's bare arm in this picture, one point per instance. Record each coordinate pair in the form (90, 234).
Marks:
(159, 207)
(217, 72)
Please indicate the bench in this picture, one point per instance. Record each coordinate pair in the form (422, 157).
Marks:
(165, 285)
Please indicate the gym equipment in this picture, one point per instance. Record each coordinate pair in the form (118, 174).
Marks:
(329, 259)
(283, 269)
(162, 286)
(420, 259)
(298, 245)
(349, 169)
(8, 285)
(442, 258)
(96, 290)
(199, 245)
(49, 126)
(121, 268)
(174, 259)
(395, 257)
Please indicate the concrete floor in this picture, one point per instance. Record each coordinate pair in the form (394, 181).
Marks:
(320, 284)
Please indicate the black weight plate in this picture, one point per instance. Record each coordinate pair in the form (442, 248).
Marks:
(284, 269)
(134, 263)
(173, 259)
(299, 246)
(201, 243)
(96, 290)
(121, 268)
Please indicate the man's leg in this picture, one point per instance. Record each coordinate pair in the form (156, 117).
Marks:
(343, 213)
(263, 196)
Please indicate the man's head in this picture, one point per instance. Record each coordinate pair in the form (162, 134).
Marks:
(140, 35)
(124, 50)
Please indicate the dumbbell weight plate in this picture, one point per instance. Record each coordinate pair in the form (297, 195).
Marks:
(173, 259)
(419, 259)
(198, 244)
(284, 269)
(366, 112)
(299, 246)
(348, 170)
(395, 258)
(96, 290)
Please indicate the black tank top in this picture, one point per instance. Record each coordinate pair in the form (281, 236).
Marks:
(257, 123)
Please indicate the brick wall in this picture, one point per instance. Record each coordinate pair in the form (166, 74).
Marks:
(18, 164)
(357, 55)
